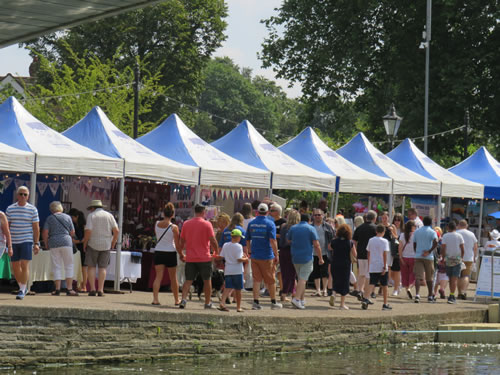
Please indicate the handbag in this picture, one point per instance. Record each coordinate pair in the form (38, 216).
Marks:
(69, 232)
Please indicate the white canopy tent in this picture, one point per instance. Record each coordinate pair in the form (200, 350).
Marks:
(246, 144)
(172, 138)
(14, 160)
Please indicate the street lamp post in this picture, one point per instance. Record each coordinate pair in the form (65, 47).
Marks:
(391, 123)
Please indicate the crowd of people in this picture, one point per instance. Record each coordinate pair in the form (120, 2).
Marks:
(257, 249)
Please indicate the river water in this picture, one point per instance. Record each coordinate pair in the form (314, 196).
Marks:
(435, 359)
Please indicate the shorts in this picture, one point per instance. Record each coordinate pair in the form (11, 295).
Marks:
(234, 282)
(363, 268)
(97, 258)
(424, 266)
(468, 269)
(320, 271)
(442, 277)
(377, 277)
(263, 270)
(303, 270)
(194, 268)
(453, 271)
(166, 258)
(396, 267)
(22, 251)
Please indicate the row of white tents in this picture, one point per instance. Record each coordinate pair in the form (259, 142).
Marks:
(243, 158)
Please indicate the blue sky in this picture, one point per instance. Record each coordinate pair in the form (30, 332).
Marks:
(245, 35)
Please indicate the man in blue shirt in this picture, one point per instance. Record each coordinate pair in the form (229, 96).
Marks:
(425, 240)
(261, 241)
(303, 237)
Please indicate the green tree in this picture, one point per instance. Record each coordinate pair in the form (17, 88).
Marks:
(74, 91)
(177, 37)
(365, 54)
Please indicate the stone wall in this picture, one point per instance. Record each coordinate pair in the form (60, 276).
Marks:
(32, 335)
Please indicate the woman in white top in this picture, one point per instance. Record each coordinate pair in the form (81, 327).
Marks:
(167, 235)
(407, 257)
(5, 241)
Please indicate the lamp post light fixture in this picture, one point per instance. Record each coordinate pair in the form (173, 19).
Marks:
(391, 123)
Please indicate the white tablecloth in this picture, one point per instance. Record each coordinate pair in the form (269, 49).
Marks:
(128, 271)
(41, 268)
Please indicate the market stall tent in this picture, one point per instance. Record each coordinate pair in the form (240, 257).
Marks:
(98, 133)
(246, 144)
(362, 153)
(173, 139)
(483, 168)
(14, 160)
(409, 156)
(55, 154)
(310, 150)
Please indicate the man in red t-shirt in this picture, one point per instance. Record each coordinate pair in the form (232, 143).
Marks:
(196, 236)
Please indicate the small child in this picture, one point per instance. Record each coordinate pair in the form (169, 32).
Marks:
(232, 252)
(441, 279)
(378, 250)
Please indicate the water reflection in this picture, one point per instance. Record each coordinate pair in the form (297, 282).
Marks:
(434, 359)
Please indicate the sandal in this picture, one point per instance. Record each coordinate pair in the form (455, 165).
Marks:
(155, 303)
(56, 292)
(239, 310)
(92, 293)
(71, 292)
(316, 294)
(100, 294)
(223, 308)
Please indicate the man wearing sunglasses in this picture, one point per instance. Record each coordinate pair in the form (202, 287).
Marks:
(25, 233)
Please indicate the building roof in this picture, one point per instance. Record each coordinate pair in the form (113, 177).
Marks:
(28, 19)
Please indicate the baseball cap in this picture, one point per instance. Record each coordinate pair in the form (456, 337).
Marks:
(237, 233)
(262, 208)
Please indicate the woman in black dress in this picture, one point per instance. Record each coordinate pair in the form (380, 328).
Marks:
(342, 251)
(79, 224)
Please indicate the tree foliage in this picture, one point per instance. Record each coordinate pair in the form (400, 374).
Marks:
(365, 55)
(233, 93)
(177, 37)
(74, 90)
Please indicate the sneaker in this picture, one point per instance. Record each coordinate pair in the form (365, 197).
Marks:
(367, 301)
(354, 293)
(395, 293)
(386, 307)
(256, 306)
(343, 307)
(441, 294)
(332, 300)
(431, 299)
(208, 306)
(462, 296)
(360, 296)
(373, 295)
(452, 300)
(21, 294)
(182, 304)
(297, 304)
(276, 306)
(364, 304)
(408, 293)
(417, 299)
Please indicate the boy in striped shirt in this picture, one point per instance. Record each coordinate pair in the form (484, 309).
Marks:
(25, 234)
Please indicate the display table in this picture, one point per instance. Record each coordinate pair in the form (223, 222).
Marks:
(5, 269)
(129, 271)
(41, 268)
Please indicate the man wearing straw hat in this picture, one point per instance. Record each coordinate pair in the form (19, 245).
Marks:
(101, 235)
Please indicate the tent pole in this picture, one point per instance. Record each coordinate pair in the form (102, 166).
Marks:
(391, 207)
(120, 234)
(403, 207)
(448, 213)
(332, 203)
(197, 192)
(336, 204)
(438, 217)
(481, 222)
(32, 198)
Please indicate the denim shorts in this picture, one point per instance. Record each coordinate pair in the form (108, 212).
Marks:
(22, 251)
(303, 270)
(234, 281)
(453, 271)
